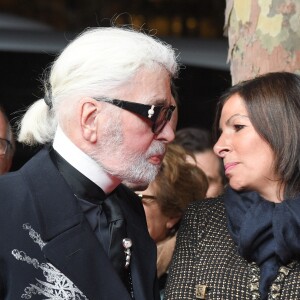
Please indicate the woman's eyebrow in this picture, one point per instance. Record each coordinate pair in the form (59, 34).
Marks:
(235, 116)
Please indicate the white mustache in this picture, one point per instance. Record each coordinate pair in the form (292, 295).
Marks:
(157, 148)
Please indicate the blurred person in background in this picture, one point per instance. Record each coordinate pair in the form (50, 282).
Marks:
(199, 142)
(177, 184)
(7, 143)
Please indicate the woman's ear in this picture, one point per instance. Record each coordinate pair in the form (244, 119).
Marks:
(88, 118)
(172, 222)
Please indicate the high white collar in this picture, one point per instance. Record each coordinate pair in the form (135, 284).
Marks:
(82, 162)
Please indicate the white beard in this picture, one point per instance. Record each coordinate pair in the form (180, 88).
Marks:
(133, 168)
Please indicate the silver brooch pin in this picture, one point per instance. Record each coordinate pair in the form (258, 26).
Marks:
(127, 243)
(151, 112)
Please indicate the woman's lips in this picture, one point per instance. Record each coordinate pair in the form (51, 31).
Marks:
(229, 166)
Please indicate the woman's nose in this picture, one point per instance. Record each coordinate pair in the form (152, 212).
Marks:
(221, 147)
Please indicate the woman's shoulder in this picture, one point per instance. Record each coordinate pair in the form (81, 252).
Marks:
(207, 205)
(201, 215)
(201, 211)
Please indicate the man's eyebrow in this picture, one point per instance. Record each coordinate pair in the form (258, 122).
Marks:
(163, 102)
(157, 102)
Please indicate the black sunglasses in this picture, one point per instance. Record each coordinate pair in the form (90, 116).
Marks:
(159, 115)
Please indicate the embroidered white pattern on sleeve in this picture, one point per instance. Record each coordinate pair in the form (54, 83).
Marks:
(57, 286)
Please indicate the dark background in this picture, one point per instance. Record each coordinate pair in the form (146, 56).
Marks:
(193, 27)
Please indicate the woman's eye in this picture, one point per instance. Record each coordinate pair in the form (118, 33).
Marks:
(238, 127)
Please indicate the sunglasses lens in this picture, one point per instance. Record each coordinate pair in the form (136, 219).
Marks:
(161, 120)
(169, 113)
(3, 146)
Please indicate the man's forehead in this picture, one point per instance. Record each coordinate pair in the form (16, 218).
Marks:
(165, 99)
(148, 86)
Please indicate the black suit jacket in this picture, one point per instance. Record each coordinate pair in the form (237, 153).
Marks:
(48, 249)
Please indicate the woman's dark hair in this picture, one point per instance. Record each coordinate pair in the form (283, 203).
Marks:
(273, 104)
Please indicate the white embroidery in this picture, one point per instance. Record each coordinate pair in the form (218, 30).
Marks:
(34, 235)
(21, 255)
(57, 286)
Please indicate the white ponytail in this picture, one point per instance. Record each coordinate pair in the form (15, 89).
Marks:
(38, 125)
(95, 64)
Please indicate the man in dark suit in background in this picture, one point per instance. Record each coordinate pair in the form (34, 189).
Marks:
(68, 228)
(7, 143)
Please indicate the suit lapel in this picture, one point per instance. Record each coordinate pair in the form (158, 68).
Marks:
(143, 260)
(78, 254)
(71, 246)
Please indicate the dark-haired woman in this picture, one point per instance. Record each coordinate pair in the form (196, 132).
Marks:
(246, 243)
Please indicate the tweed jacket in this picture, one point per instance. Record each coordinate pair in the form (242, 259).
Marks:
(48, 249)
(206, 264)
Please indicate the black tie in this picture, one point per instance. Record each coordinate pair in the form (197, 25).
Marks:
(117, 232)
(107, 221)
(103, 214)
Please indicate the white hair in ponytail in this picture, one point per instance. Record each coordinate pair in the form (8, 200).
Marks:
(95, 64)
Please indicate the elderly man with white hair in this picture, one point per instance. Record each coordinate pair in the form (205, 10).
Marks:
(69, 228)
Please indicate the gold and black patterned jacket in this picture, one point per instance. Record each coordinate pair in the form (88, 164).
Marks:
(206, 264)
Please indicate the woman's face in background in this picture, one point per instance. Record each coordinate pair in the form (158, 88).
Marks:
(158, 224)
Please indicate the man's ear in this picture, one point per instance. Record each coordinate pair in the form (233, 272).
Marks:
(88, 118)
